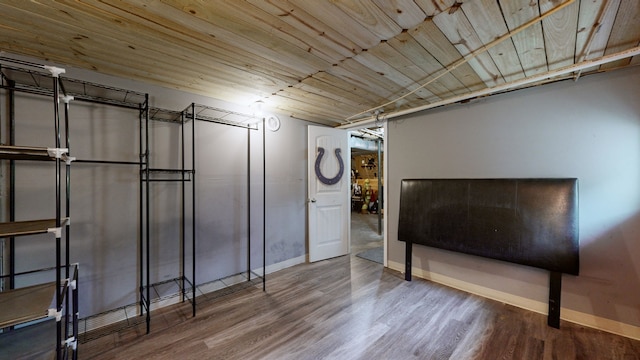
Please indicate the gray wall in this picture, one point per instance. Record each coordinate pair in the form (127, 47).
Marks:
(589, 130)
(104, 206)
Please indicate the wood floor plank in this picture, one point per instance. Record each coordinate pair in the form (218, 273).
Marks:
(353, 308)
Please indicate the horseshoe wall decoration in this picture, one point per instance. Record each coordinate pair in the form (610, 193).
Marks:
(323, 179)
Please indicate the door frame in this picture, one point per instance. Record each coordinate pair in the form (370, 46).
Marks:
(385, 189)
(385, 193)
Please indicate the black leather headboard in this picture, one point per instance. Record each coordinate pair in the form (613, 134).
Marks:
(525, 221)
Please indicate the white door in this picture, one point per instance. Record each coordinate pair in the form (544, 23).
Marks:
(329, 190)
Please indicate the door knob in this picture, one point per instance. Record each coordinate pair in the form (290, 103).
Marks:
(312, 200)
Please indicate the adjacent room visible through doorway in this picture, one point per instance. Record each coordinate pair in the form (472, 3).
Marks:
(367, 182)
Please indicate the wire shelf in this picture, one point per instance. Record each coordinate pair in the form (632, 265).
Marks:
(221, 116)
(40, 82)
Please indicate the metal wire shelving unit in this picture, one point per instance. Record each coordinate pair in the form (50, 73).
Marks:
(57, 299)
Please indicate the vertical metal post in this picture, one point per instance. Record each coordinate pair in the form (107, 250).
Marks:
(141, 235)
(379, 186)
(193, 204)
(248, 204)
(147, 226)
(75, 313)
(67, 207)
(56, 110)
(183, 218)
(12, 182)
(264, 207)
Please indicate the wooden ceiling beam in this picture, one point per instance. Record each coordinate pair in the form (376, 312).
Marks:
(413, 74)
(488, 22)
(429, 36)
(391, 73)
(326, 56)
(475, 53)
(595, 23)
(309, 26)
(433, 8)
(404, 13)
(607, 59)
(407, 45)
(463, 36)
(623, 37)
(560, 31)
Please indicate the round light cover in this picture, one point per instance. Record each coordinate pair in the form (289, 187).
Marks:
(273, 123)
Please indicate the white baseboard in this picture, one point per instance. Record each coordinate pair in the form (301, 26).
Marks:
(282, 265)
(573, 316)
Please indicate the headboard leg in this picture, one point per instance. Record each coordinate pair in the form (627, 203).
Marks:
(408, 245)
(555, 289)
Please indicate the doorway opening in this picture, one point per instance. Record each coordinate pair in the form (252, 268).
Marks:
(367, 200)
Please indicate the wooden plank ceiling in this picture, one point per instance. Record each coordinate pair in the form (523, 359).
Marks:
(323, 61)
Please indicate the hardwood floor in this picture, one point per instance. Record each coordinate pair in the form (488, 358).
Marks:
(351, 308)
(364, 232)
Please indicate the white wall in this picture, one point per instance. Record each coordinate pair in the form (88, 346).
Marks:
(105, 209)
(588, 129)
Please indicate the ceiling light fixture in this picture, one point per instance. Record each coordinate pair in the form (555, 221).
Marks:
(257, 109)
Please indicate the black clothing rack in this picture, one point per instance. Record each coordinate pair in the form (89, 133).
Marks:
(183, 175)
(220, 116)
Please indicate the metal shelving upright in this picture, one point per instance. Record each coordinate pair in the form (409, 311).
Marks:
(19, 79)
(100, 94)
(183, 175)
(190, 115)
(211, 114)
(36, 82)
(57, 299)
